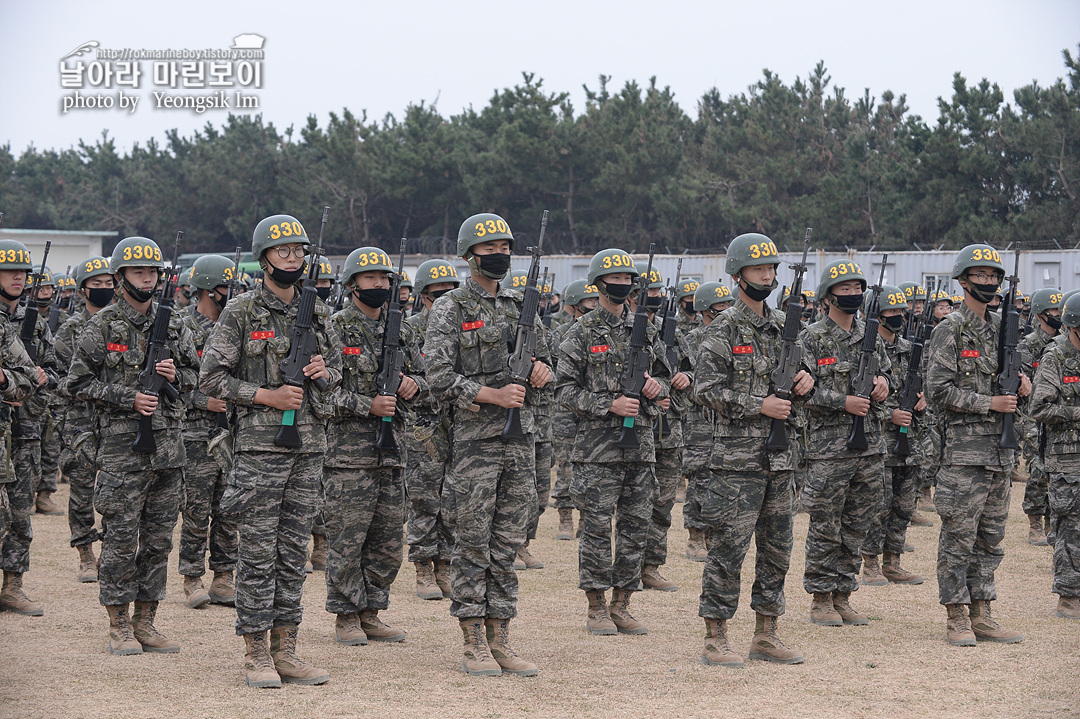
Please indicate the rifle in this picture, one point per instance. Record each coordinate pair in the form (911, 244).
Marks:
(520, 361)
(54, 311)
(545, 316)
(862, 382)
(339, 301)
(637, 360)
(303, 344)
(157, 350)
(787, 366)
(913, 380)
(221, 422)
(1009, 360)
(29, 323)
(662, 427)
(393, 358)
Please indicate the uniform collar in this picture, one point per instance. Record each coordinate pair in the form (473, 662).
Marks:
(746, 311)
(274, 302)
(133, 315)
(610, 319)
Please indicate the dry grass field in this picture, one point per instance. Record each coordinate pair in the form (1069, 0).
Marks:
(899, 666)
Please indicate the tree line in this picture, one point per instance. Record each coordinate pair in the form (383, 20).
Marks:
(630, 168)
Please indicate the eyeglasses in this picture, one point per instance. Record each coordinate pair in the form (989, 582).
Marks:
(982, 277)
(284, 252)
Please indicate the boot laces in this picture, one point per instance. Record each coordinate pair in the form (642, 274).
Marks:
(478, 643)
(260, 653)
(502, 638)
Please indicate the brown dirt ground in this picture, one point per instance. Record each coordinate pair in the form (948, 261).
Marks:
(899, 666)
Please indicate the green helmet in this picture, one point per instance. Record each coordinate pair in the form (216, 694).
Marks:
(1066, 296)
(708, 294)
(656, 280)
(957, 299)
(1047, 299)
(686, 288)
(136, 252)
(406, 281)
(913, 291)
(891, 298)
(277, 230)
(836, 272)
(1070, 313)
(608, 262)
(434, 272)
(365, 259)
(325, 271)
(748, 250)
(976, 256)
(579, 290)
(47, 279)
(14, 256)
(91, 267)
(210, 271)
(63, 282)
(516, 280)
(942, 296)
(782, 300)
(483, 227)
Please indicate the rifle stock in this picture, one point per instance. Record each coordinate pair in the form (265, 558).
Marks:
(520, 361)
(637, 361)
(783, 377)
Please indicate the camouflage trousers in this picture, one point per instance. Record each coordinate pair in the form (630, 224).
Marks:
(738, 506)
(318, 525)
(668, 471)
(50, 461)
(564, 470)
(204, 524)
(973, 503)
(429, 533)
(274, 531)
(695, 458)
(842, 497)
(78, 464)
(623, 491)
(888, 530)
(544, 458)
(1036, 501)
(1065, 504)
(26, 457)
(364, 511)
(138, 512)
(492, 485)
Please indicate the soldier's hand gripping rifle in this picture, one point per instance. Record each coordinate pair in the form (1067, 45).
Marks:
(638, 360)
(221, 422)
(29, 323)
(1009, 360)
(862, 382)
(54, 311)
(520, 361)
(668, 322)
(913, 380)
(303, 344)
(157, 350)
(393, 357)
(787, 366)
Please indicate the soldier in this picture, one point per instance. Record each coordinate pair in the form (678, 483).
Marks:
(405, 289)
(18, 382)
(26, 418)
(429, 532)
(751, 489)
(137, 493)
(930, 439)
(1046, 306)
(50, 443)
(324, 286)
(183, 289)
(79, 427)
(684, 295)
(492, 481)
(204, 477)
(1055, 402)
(610, 481)
(273, 489)
(844, 487)
(973, 484)
(886, 536)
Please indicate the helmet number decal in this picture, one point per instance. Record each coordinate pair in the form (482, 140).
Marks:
(897, 298)
(442, 271)
(286, 229)
(519, 281)
(619, 260)
(142, 252)
(844, 268)
(22, 256)
(490, 227)
(95, 264)
(373, 258)
(1055, 298)
(591, 290)
(763, 249)
(987, 255)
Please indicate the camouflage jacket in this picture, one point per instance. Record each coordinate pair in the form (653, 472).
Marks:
(244, 353)
(961, 379)
(680, 399)
(199, 419)
(26, 421)
(563, 421)
(1031, 348)
(699, 421)
(1055, 401)
(900, 356)
(466, 348)
(78, 416)
(352, 431)
(591, 361)
(739, 351)
(834, 355)
(109, 356)
(20, 383)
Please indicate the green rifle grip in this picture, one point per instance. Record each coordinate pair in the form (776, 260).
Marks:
(903, 430)
(629, 422)
(288, 417)
(387, 419)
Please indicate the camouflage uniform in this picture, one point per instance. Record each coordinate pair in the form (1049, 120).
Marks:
(21, 384)
(543, 445)
(609, 481)
(137, 495)
(751, 489)
(699, 435)
(274, 490)
(563, 430)
(491, 481)
(844, 488)
(1036, 489)
(973, 485)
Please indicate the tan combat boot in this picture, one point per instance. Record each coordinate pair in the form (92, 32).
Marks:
(12, 598)
(822, 611)
(957, 627)
(525, 557)
(717, 652)
(498, 639)
(871, 572)
(45, 504)
(1068, 607)
(986, 629)
(652, 579)
(926, 501)
(620, 613)
(195, 593)
(599, 622)
(1036, 533)
(142, 625)
(121, 639)
(478, 661)
(291, 668)
(695, 547)
(222, 589)
(768, 647)
(426, 588)
(842, 604)
(87, 564)
(347, 630)
(566, 523)
(377, 630)
(319, 551)
(920, 520)
(259, 671)
(442, 576)
(897, 574)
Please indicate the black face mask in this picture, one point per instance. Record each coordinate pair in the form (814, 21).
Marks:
(652, 304)
(493, 266)
(43, 302)
(555, 307)
(758, 293)
(586, 310)
(1052, 322)
(437, 294)
(894, 323)
(323, 293)
(100, 296)
(982, 293)
(688, 307)
(137, 294)
(848, 303)
(219, 300)
(617, 293)
(9, 297)
(372, 298)
(994, 308)
(284, 278)
(186, 294)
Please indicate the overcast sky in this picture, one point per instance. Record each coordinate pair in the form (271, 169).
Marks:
(379, 57)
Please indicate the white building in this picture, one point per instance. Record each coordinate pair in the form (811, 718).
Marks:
(69, 247)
